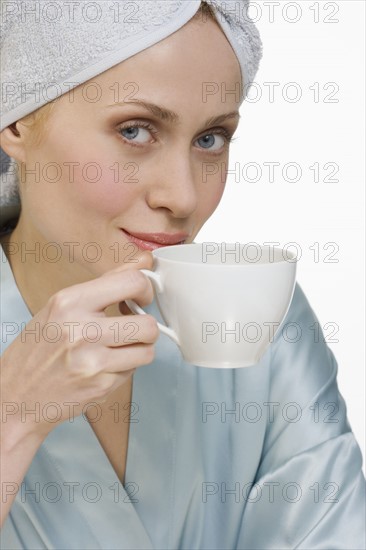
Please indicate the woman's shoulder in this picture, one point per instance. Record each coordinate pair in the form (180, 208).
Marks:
(300, 325)
(302, 366)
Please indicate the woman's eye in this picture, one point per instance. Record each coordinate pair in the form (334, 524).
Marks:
(139, 134)
(213, 142)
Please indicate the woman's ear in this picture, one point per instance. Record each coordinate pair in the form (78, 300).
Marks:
(12, 141)
(13, 128)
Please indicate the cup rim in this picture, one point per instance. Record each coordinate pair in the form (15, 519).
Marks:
(159, 254)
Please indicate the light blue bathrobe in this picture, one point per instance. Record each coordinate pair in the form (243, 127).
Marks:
(254, 458)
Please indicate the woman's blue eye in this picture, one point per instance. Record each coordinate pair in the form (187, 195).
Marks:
(132, 132)
(208, 141)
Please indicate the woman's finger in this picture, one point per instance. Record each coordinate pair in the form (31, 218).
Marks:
(121, 360)
(96, 295)
(117, 332)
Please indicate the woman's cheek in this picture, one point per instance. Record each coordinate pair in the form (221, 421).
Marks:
(99, 187)
(212, 197)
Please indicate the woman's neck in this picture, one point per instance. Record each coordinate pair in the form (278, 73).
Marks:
(37, 279)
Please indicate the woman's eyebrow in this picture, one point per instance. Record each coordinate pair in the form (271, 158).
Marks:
(166, 115)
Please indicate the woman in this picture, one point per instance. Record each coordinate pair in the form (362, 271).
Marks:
(113, 444)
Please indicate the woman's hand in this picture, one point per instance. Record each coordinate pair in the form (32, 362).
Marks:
(72, 353)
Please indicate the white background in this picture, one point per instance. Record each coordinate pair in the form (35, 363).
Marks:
(324, 129)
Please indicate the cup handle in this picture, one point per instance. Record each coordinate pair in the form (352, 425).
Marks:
(155, 279)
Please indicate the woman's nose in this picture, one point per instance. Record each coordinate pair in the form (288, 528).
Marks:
(174, 187)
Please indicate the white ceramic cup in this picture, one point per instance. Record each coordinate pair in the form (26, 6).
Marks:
(222, 303)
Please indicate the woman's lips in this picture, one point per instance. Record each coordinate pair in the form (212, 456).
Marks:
(152, 241)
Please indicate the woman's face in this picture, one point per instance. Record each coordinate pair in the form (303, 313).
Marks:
(111, 168)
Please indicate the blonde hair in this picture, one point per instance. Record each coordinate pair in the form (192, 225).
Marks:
(37, 120)
(205, 11)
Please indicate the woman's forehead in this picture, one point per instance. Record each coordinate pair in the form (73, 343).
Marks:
(191, 63)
